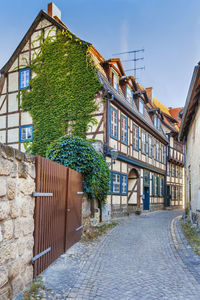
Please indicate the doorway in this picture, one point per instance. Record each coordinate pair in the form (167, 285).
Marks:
(146, 198)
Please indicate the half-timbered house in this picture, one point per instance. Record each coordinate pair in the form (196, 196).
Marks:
(127, 121)
(190, 135)
(175, 155)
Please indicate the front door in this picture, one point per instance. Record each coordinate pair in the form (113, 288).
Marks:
(168, 195)
(146, 198)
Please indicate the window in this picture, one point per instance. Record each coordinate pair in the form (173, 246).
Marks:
(150, 146)
(123, 184)
(113, 123)
(157, 151)
(161, 186)
(124, 129)
(115, 183)
(135, 137)
(141, 106)
(115, 80)
(173, 170)
(129, 94)
(163, 155)
(143, 142)
(168, 166)
(155, 185)
(26, 133)
(119, 183)
(156, 122)
(24, 78)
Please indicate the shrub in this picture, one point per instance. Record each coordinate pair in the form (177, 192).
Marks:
(78, 154)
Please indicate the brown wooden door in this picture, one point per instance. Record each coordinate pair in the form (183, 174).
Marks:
(74, 208)
(57, 212)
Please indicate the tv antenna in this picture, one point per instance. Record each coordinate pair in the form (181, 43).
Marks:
(135, 59)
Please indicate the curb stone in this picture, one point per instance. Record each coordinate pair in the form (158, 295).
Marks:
(183, 248)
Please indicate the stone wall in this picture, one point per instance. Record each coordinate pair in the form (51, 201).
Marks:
(17, 174)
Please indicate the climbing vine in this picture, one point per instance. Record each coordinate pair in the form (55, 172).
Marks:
(62, 90)
(79, 155)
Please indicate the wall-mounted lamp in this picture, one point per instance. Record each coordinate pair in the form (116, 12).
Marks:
(114, 154)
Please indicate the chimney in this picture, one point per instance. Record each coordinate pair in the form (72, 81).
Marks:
(54, 11)
(149, 93)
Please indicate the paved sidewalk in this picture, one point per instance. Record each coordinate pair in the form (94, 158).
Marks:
(139, 259)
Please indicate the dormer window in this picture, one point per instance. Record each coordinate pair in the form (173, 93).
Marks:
(129, 94)
(156, 122)
(141, 106)
(115, 80)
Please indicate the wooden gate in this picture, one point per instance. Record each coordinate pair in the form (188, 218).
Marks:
(57, 215)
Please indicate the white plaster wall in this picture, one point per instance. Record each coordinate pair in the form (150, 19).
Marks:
(3, 110)
(99, 137)
(23, 60)
(193, 159)
(13, 79)
(2, 136)
(26, 118)
(13, 120)
(116, 199)
(12, 102)
(35, 39)
(2, 122)
(13, 135)
(14, 66)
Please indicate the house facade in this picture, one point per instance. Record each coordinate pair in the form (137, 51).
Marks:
(170, 118)
(190, 135)
(126, 121)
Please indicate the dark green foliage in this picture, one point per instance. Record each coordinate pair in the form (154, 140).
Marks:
(77, 154)
(63, 90)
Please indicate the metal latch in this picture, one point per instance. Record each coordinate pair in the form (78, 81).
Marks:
(40, 254)
(35, 194)
(79, 228)
(79, 193)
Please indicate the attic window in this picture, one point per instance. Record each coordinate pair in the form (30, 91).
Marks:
(115, 80)
(129, 94)
(141, 106)
(156, 122)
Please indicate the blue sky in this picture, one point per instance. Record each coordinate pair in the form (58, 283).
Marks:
(167, 30)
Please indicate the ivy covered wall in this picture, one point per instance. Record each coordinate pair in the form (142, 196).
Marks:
(62, 90)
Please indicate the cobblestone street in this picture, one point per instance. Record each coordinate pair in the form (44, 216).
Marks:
(136, 260)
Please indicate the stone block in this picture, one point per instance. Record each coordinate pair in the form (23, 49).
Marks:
(17, 285)
(7, 230)
(27, 187)
(22, 170)
(5, 254)
(28, 275)
(11, 190)
(17, 228)
(14, 269)
(19, 155)
(3, 187)
(13, 171)
(5, 293)
(27, 226)
(15, 209)
(25, 208)
(13, 250)
(4, 210)
(32, 171)
(30, 158)
(3, 277)
(1, 235)
(4, 167)
(9, 151)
